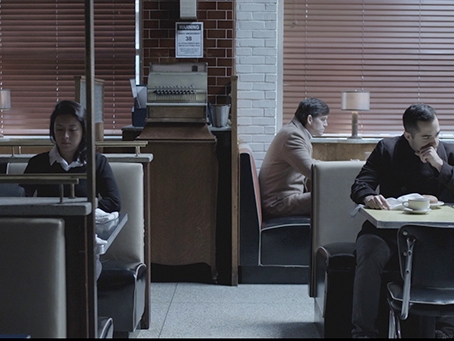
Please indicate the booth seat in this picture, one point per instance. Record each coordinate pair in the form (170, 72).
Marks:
(122, 283)
(121, 286)
(33, 280)
(333, 262)
(273, 251)
(333, 238)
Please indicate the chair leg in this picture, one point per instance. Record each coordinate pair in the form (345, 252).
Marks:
(398, 328)
(391, 325)
(394, 330)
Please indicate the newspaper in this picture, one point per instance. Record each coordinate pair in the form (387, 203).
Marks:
(396, 204)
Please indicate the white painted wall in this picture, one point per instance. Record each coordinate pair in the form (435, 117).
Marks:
(259, 69)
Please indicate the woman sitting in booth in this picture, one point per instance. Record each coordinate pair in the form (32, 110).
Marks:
(68, 132)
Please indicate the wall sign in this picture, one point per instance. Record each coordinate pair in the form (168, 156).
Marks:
(189, 39)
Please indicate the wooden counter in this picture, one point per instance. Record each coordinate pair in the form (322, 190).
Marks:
(226, 260)
(342, 149)
(183, 190)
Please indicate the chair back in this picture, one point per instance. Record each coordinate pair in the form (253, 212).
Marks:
(425, 255)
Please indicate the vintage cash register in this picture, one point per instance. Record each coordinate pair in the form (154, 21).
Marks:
(177, 93)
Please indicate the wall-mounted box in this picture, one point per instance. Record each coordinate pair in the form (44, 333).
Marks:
(188, 9)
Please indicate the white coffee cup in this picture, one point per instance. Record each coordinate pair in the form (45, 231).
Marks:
(418, 204)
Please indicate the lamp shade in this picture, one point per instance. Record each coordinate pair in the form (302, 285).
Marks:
(355, 100)
(5, 99)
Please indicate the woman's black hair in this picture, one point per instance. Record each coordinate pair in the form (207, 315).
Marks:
(75, 109)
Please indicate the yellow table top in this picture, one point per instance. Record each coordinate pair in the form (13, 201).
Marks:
(441, 217)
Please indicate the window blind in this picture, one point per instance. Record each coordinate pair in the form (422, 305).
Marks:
(401, 51)
(42, 48)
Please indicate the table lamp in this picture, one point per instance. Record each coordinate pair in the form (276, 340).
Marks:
(355, 100)
(5, 102)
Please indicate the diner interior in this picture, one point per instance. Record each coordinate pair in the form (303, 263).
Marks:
(183, 97)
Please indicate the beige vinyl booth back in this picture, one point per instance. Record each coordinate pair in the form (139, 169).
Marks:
(331, 207)
(129, 244)
(122, 292)
(33, 280)
(333, 236)
(16, 167)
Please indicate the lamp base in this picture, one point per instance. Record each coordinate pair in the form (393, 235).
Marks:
(355, 137)
(354, 126)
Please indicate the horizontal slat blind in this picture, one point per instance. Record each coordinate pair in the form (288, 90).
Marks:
(43, 50)
(401, 51)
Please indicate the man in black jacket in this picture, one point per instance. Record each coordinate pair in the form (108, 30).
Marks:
(415, 162)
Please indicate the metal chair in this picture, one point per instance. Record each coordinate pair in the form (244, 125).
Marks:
(426, 254)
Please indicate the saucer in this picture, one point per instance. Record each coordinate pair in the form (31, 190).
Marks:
(410, 210)
(437, 204)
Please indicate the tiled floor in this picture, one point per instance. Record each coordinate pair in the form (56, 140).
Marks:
(197, 310)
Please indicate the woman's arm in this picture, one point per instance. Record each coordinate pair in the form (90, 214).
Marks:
(106, 186)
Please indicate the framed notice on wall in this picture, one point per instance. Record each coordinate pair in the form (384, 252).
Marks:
(189, 39)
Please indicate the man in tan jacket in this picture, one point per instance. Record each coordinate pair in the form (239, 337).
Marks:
(286, 169)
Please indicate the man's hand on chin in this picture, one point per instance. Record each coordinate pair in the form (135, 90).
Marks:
(429, 154)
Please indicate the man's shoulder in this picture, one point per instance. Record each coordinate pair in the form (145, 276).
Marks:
(448, 146)
(293, 130)
(289, 136)
(284, 133)
(391, 141)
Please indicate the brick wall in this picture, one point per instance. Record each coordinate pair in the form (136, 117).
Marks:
(159, 18)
